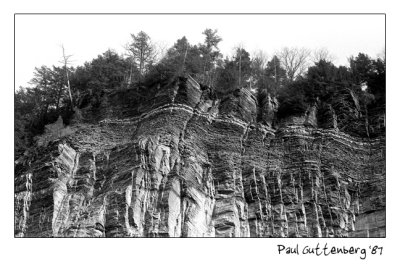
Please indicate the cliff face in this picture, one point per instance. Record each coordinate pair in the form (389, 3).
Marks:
(191, 165)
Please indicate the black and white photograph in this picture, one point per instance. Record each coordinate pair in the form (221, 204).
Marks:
(201, 130)
(184, 136)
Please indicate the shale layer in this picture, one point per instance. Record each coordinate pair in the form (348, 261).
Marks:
(191, 165)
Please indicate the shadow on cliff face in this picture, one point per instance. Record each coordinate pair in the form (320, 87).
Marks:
(340, 109)
(188, 161)
(128, 103)
(241, 103)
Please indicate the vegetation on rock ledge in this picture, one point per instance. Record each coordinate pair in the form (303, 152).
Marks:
(297, 77)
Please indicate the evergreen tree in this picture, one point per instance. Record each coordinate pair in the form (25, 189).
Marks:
(361, 68)
(274, 76)
(210, 54)
(243, 66)
(226, 76)
(142, 52)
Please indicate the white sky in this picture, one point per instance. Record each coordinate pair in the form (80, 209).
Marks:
(38, 37)
(351, 35)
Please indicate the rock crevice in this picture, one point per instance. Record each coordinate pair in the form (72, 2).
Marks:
(197, 166)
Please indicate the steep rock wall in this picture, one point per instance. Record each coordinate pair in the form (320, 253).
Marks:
(192, 165)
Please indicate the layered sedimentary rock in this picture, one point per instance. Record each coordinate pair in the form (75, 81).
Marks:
(191, 165)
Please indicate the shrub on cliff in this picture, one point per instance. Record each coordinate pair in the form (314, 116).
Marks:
(108, 70)
(294, 99)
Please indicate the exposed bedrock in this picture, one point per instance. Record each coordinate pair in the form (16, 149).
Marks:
(193, 165)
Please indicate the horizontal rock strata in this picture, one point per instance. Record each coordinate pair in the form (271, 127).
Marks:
(197, 166)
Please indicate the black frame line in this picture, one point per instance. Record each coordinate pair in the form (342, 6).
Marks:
(219, 14)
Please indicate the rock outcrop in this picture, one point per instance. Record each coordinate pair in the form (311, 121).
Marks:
(191, 165)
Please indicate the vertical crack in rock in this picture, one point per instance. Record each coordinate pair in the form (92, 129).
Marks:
(22, 204)
(194, 165)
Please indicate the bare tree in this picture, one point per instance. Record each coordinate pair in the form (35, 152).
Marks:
(184, 57)
(322, 54)
(382, 54)
(66, 61)
(160, 50)
(295, 61)
(239, 51)
(259, 61)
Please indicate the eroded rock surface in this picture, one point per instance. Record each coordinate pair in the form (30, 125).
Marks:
(192, 165)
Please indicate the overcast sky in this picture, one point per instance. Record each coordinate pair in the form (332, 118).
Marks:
(38, 37)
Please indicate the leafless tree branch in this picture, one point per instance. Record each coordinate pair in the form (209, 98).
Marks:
(295, 61)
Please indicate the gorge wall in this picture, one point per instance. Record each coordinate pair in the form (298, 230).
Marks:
(187, 164)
